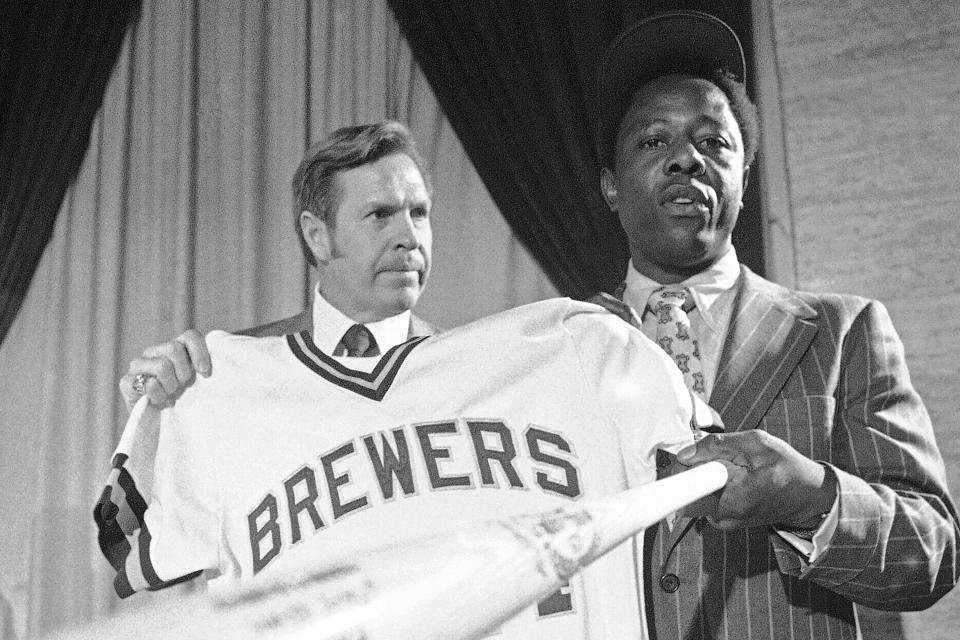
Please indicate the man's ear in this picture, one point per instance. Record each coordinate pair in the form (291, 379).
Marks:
(608, 187)
(316, 233)
(746, 177)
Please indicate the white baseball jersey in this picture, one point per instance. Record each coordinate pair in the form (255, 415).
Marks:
(285, 455)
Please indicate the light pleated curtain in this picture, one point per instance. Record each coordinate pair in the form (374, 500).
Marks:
(181, 217)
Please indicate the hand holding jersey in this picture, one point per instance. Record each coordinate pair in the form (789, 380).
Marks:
(163, 369)
(285, 454)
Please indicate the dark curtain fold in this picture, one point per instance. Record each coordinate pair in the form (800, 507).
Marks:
(56, 57)
(517, 82)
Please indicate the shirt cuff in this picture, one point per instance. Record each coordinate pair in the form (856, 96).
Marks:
(817, 544)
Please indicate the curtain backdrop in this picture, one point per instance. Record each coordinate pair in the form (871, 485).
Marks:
(55, 60)
(518, 80)
(180, 216)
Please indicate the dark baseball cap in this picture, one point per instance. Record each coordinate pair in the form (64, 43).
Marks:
(688, 42)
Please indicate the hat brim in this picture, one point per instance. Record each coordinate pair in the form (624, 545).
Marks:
(676, 42)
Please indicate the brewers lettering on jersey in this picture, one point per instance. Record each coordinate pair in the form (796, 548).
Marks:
(286, 456)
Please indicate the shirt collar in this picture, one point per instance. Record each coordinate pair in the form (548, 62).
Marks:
(705, 287)
(329, 325)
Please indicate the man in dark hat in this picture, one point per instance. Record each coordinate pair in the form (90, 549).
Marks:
(837, 491)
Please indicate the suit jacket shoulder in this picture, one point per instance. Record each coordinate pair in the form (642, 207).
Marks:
(831, 305)
(304, 322)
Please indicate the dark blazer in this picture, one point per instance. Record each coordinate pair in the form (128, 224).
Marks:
(304, 322)
(827, 374)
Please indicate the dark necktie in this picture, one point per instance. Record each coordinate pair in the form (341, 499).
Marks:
(357, 342)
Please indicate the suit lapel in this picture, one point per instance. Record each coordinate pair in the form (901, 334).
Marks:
(770, 330)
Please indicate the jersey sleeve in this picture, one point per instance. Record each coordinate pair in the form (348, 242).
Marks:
(157, 514)
(638, 386)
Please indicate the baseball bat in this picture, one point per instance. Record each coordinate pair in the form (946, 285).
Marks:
(460, 586)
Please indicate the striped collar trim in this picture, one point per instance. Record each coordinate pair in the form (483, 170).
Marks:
(373, 385)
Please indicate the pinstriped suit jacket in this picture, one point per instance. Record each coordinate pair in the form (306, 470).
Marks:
(826, 373)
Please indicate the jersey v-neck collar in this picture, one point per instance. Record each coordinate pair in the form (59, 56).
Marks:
(373, 385)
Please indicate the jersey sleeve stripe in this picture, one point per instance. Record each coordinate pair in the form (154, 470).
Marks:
(123, 535)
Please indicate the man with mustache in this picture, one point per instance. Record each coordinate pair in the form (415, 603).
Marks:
(362, 200)
(837, 492)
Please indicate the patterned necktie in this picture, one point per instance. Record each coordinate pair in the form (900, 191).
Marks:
(670, 305)
(357, 342)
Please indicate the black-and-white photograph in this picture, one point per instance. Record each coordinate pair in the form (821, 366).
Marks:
(479, 319)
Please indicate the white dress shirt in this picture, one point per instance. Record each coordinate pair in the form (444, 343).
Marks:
(714, 291)
(329, 325)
